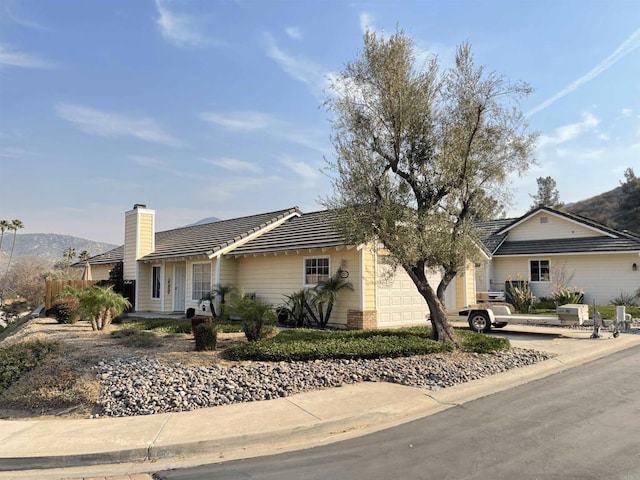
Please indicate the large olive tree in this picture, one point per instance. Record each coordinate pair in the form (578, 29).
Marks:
(420, 155)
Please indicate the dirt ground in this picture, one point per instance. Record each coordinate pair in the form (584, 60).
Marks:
(83, 348)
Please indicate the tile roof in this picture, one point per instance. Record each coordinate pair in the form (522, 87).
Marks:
(209, 238)
(496, 233)
(311, 230)
(600, 244)
(200, 240)
(112, 256)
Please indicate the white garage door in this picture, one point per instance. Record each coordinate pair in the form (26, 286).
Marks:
(399, 303)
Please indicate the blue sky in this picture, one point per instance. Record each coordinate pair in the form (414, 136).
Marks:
(203, 108)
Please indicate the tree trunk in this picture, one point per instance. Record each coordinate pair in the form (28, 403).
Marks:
(441, 330)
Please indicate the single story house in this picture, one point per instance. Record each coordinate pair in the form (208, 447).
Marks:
(546, 247)
(270, 255)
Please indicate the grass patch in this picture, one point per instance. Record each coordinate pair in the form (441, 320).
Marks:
(305, 345)
(21, 358)
(131, 337)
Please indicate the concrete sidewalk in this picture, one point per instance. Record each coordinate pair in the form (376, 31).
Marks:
(51, 449)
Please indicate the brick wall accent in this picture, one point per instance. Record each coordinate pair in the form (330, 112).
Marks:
(359, 320)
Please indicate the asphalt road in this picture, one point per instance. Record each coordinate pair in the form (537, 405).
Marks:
(583, 423)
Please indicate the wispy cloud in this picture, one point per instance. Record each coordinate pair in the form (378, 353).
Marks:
(241, 120)
(233, 165)
(569, 132)
(626, 47)
(626, 112)
(366, 23)
(20, 19)
(294, 32)
(16, 58)
(165, 167)
(180, 29)
(117, 184)
(107, 124)
(251, 121)
(307, 173)
(313, 75)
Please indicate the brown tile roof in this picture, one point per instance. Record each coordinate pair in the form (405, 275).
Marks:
(311, 230)
(200, 240)
(209, 238)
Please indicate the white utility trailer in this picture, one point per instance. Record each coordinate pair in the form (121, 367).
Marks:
(482, 319)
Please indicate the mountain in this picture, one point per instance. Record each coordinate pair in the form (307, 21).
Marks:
(49, 246)
(603, 208)
(204, 220)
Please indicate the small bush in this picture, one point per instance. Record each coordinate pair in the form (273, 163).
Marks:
(66, 309)
(198, 320)
(626, 299)
(21, 358)
(479, 343)
(544, 303)
(131, 337)
(206, 337)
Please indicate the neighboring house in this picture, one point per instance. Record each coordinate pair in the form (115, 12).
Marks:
(270, 255)
(547, 246)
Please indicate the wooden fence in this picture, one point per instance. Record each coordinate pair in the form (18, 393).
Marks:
(56, 286)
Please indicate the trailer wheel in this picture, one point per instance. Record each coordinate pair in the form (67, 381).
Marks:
(480, 322)
(500, 324)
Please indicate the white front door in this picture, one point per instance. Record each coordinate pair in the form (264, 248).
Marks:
(179, 284)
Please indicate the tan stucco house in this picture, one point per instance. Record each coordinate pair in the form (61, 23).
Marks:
(270, 255)
(545, 244)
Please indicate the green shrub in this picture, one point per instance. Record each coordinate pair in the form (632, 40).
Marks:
(131, 337)
(626, 299)
(20, 358)
(206, 337)
(254, 314)
(565, 295)
(66, 309)
(480, 343)
(544, 303)
(163, 325)
(198, 320)
(521, 296)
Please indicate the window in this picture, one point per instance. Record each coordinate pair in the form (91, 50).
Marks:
(155, 282)
(316, 270)
(201, 284)
(539, 270)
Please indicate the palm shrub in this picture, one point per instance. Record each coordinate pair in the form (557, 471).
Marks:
(206, 337)
(254, 315)
(296, 307)
(100, 305)
(323, 298)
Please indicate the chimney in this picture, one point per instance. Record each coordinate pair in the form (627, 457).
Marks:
(139, 238)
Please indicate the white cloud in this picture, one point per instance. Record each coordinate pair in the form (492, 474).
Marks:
(366, 23)
(626, 112)
(15, 58)
(148, 161)
(569, 132)
(294, 32)
(106, 124)
(240, 120)
(251, 121)
(165, 167)
(306, 172)
(626, 47)
(604, 137)
(181, 29)
(314, 76)
(234, 165)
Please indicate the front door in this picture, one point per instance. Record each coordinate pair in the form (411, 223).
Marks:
(179, 283)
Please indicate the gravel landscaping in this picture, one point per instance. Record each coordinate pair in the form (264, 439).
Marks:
(143, 386)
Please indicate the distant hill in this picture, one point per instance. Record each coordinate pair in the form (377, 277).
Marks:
(48, 246)
(204, 220)
(603, 208)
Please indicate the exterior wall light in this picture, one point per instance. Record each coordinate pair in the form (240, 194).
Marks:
(634, 267)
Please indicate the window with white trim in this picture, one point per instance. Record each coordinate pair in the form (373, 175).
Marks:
(155, 282)
(539, 271)
(201, 280)
(316, 270)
